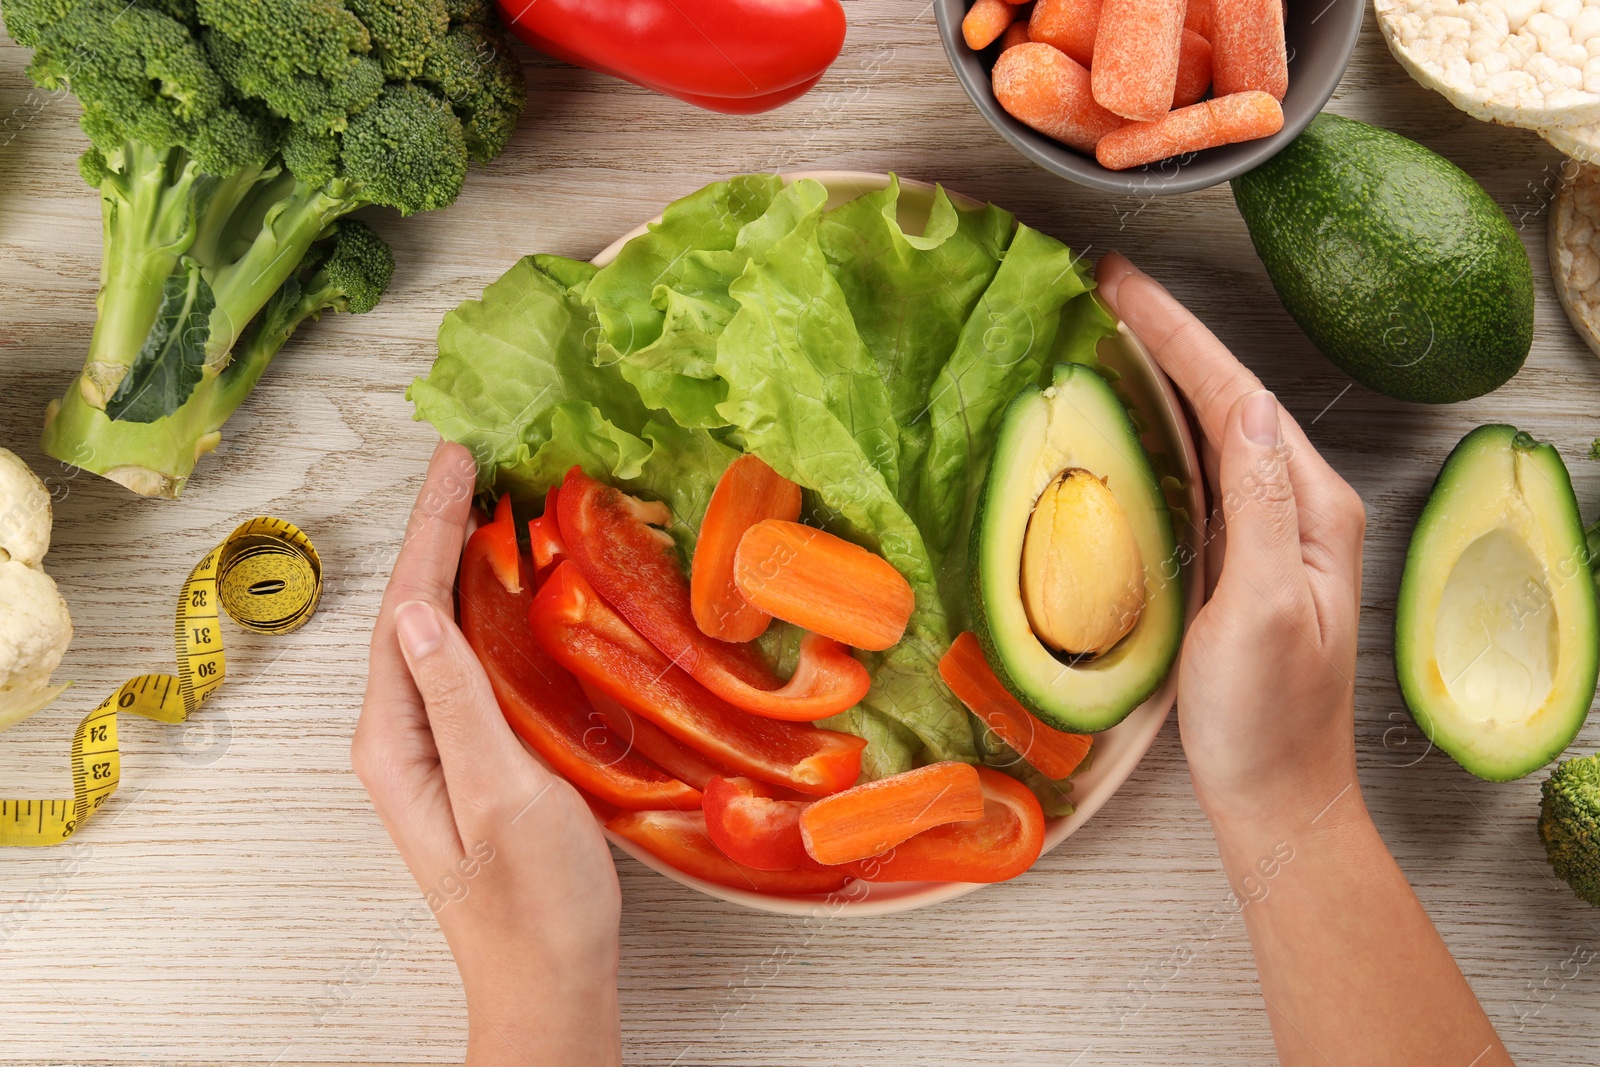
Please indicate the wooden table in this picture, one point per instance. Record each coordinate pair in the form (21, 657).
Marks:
(238, 902)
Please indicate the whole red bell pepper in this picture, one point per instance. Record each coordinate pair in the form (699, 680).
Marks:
(589, 638)
(735, 56)
(679, 838)
(540, 700)
(634, 566)
(752, 828)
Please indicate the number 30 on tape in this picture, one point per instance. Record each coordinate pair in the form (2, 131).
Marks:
(267, 577)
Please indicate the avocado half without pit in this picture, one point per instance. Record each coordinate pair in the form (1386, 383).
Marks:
(1077, 595)
(1496, 624)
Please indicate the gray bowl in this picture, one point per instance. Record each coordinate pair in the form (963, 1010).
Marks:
(1321, 36)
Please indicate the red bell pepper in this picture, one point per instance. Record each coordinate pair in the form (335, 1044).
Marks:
(679, 838)
(544, 536)
(1001, 845)
(652, 742)
(737, 56)
(590, 639)
(752, 828)
(965, 670)
(634, 566)
(541, 701)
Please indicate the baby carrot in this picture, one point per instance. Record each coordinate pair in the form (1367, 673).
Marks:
(986, 20)
(1055, 753)
(1136, 57)
(1194, 70)
(1250, 53)
(868, 820)
(747, 492)
(823, 583)
(1224, 120)
(1197, 17)
(1068, 25)
(1046, 89)
(1016, 33)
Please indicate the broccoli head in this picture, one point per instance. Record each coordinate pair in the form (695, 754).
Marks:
(1569, 824)
(228, 138)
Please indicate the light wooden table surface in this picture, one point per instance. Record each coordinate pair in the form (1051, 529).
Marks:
(238, 902)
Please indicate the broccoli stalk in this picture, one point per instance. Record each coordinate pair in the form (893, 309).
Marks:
(228, 138)
(347, 271)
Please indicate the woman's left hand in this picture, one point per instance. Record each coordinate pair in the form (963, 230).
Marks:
(506, 853)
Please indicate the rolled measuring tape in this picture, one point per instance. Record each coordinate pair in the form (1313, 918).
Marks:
(267, 577)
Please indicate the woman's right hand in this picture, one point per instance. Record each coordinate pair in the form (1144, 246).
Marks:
(1266, 683)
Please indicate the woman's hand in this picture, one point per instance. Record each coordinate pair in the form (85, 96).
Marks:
(1351, 969)
(506, 853)
(1266, 685)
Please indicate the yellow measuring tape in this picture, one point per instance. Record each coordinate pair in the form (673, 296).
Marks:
(267, 577)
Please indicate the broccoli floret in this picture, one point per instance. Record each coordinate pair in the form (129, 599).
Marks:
(227, 139)
(404, 32)
(1569, 824)
(474, 69)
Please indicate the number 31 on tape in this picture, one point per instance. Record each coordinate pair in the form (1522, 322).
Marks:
(267, 577)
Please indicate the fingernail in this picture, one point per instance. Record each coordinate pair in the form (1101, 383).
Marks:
(418, 626)
(1260, 418)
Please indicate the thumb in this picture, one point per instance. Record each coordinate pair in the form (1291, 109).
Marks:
(1258, 507)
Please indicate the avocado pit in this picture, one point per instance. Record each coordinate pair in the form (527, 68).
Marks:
(1082, 572)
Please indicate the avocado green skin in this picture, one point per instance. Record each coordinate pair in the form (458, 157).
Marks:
(984, 629)
(1460, 467)
(1395, 263)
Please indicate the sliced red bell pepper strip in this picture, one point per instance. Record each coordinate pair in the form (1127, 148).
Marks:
(965, 670)
(544, 536)
(587, 637)
(752, 828)
(496, 542)
(872, 818)
(1001, 845)
(654, 743)
(635, 568)
(679, 838)
(541, 701)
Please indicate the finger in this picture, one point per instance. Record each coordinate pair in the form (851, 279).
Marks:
(1258, 501)
(487, 773)
(1199, 365)
(431, 550)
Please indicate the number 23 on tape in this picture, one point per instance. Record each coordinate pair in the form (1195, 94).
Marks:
(267, 577)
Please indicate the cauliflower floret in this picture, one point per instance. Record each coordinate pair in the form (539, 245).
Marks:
(24, 512)
(35, 628)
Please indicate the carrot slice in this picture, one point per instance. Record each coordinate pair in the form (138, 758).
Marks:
(823, 583)
(1047, 89)
(1218, 121)
(747, 492)
(985, 21)
(1069, 25)
(639, 734)
(1194, 70)
(869, 820)
(969, 676)
(1001, 845)
(1016, 33)
(1136, 46)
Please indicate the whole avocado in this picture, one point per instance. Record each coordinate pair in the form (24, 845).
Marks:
(1395, 263)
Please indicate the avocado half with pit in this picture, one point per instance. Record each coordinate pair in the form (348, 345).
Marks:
(1496, 640)
(1077, 596)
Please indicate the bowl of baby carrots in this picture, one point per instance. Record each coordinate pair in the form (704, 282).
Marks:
(1149, 97)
